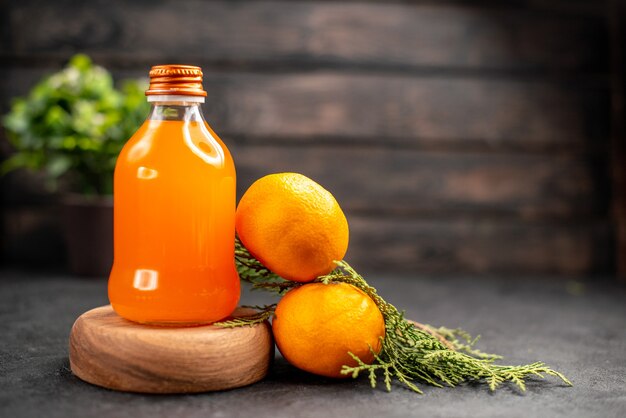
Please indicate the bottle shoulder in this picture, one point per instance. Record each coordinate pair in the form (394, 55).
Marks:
(176, 141)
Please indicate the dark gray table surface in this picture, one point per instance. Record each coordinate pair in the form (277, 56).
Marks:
(577, 327)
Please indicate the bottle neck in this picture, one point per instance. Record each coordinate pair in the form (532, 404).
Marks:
(176, 108)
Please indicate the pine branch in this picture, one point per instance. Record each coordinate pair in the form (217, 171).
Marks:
(252, 271)
(462, 341)
(411, 352)
(264, 314)
(417, 353)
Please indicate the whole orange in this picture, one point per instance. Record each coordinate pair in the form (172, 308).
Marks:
(292, 225)
(316, 325)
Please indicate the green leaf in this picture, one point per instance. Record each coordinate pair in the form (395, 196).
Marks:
(75, 120)
(13, 162)
(58, 165)
(81, 62)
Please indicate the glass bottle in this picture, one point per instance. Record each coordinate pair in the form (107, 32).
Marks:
(174, 211)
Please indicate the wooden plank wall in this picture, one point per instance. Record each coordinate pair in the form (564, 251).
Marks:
(617, 23)
(460, 137)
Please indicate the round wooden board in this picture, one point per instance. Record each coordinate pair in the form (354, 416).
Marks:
(109, 351)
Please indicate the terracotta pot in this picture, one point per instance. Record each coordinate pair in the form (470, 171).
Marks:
(88, 230)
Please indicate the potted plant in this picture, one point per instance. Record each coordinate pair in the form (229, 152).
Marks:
(71, 127)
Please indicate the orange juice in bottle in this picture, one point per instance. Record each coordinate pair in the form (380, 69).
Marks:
(174, 211)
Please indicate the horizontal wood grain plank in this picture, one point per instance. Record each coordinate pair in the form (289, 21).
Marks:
(491, 113)
(431, 112)
(401, 182)
(479, 247)
(32, 236)
(397, 34)
(396, 245)
(380, 177)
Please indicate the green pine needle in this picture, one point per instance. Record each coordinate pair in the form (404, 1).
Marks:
(411, 352)
(264, 313)
(252, 271)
